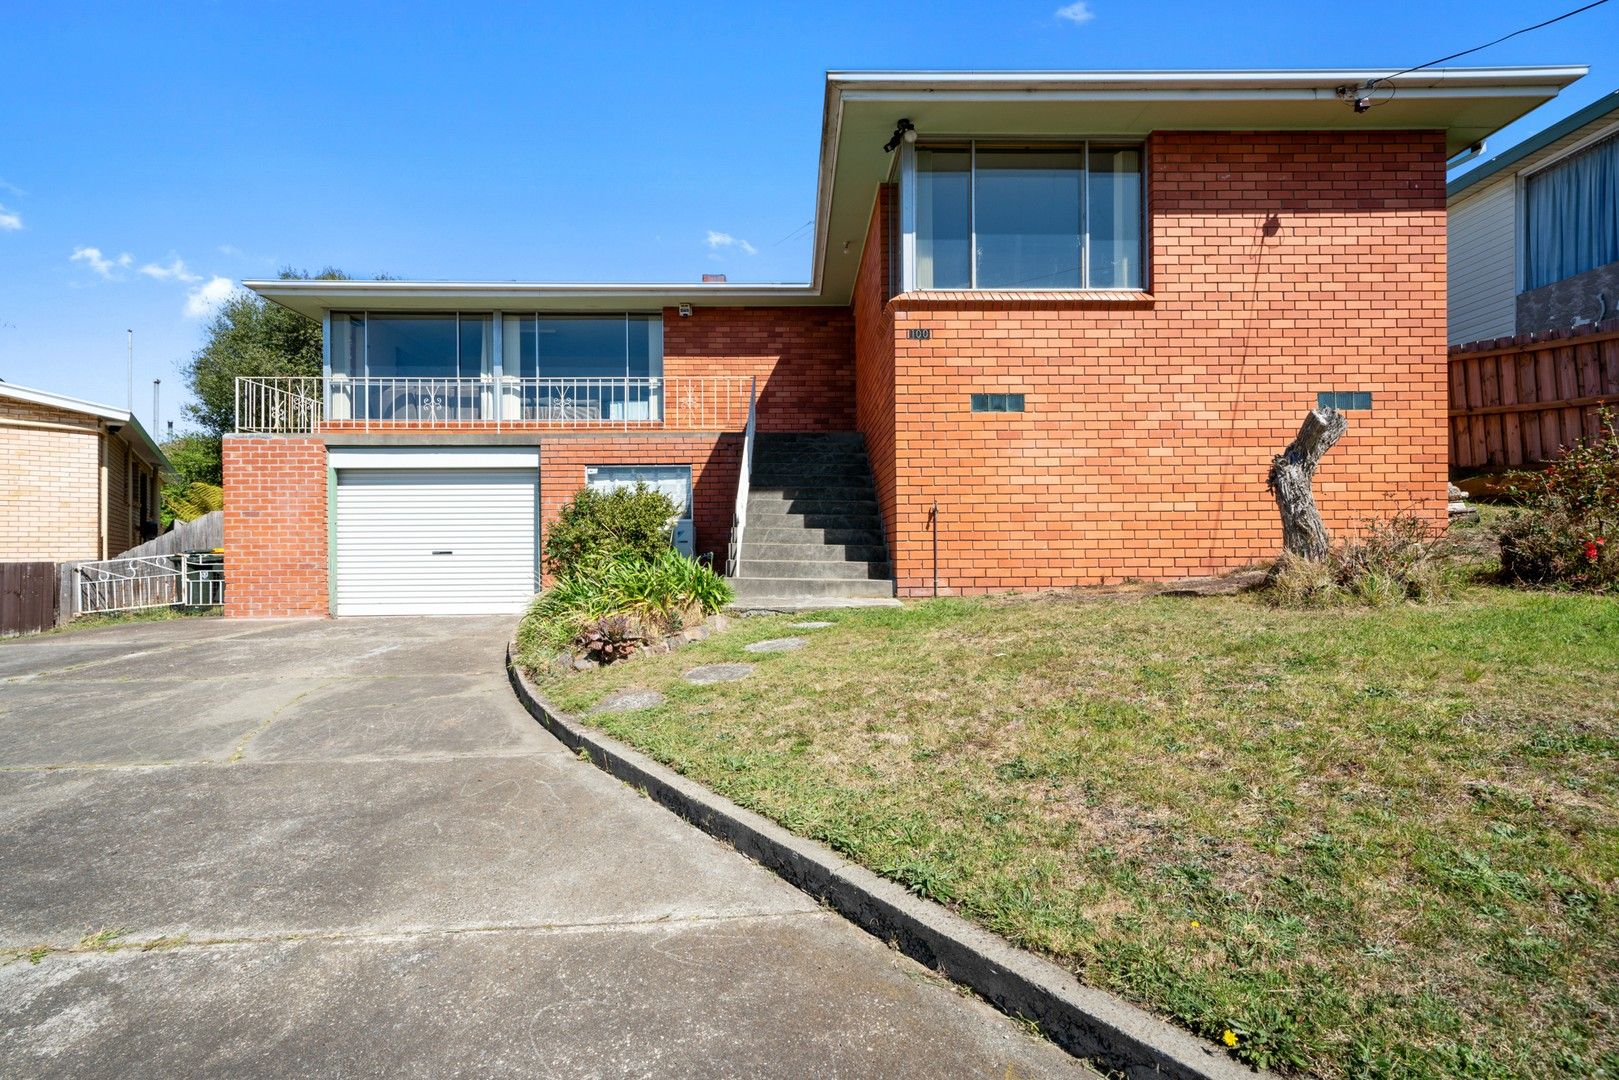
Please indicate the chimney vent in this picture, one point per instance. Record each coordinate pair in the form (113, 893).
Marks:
(713, 279)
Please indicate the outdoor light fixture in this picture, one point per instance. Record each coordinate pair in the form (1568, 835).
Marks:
(685, 311)
(1358, 97)
(904, 131)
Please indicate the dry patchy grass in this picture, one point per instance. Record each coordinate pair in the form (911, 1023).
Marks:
(1375, 843)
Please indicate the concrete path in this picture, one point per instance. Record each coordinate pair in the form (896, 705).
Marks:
(342, 848)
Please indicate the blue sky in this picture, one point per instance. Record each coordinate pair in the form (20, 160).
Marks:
(190, 145)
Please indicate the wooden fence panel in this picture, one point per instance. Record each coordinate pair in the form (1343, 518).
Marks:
(27, 597)
(206, 533)
(1518, 401)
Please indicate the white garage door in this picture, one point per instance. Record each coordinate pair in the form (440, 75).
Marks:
(428, 541)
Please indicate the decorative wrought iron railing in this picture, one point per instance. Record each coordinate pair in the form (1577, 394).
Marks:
(299, 405)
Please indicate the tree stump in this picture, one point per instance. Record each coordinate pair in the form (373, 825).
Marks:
(1292, 473)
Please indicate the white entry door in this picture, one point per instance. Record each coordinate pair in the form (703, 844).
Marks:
(436, 541)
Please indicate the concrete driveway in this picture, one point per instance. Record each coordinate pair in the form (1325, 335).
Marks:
(342, 849)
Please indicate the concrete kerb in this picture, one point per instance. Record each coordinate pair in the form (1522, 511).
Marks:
(1089, 1024)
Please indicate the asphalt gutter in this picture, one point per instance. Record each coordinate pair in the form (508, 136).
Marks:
(1090, 1024)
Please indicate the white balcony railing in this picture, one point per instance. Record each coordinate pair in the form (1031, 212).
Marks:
(293, 405)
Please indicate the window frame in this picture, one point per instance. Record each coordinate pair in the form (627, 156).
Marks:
(489, 367)
(908, 209)
(1520, 200)
(691, 507)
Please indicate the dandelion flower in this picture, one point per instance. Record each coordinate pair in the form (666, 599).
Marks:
(1229, 1038)
(1196, 924)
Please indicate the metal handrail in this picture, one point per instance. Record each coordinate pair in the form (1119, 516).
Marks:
(287, 405)
(739, 516)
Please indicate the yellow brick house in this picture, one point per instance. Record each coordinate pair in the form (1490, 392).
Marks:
(78, 480)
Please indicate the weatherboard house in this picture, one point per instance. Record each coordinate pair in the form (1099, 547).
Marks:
(1056, 326)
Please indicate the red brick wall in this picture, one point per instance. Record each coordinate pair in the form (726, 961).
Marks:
(1282, 264)
(874, 355)
(275, 526)
(804, 358)
(715, 461)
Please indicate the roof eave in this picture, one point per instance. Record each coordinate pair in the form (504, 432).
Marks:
(123, 419)
(1523, 151)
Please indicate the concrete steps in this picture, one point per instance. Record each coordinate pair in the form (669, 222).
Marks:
(814, 530)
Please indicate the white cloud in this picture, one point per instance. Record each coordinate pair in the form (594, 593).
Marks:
(718, 240)
(202, 300)
(101, 264)
(176, 270)
(10, 220)
(1078, 13)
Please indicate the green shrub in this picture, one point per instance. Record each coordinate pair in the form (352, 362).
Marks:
(1568, 532)
(1390, 560)
(602, 524)
(620, 599)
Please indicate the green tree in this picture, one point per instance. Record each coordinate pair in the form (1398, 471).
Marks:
(194, 457)
(247, 336)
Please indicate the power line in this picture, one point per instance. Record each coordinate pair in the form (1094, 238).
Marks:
(794, 233)
(1371, 83)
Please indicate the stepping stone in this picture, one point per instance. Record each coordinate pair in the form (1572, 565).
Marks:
(780, 644)
(716, 673)
(629, 701)
(809, 625)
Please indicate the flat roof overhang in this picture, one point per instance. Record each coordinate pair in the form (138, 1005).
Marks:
(861, 108)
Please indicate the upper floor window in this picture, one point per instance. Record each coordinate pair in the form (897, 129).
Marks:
(411, 345)
(1028, 217)
(1571, 215)
(584, 346)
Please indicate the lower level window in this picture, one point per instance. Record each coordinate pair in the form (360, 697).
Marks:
(997, 403)
(673, 480)
(1344, 399)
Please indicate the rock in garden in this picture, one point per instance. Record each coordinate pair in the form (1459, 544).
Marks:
(629, 701)
(781, 644)
(716, 673)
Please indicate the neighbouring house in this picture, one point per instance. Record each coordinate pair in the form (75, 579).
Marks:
(80, 480)
(1057, 324)
(1534, 232)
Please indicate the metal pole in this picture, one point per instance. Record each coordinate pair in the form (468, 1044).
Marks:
(156, 424)
(934, 514)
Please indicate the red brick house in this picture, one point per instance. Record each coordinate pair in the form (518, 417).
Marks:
(1057, 325)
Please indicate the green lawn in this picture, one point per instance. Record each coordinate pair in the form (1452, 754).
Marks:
(1369, 842)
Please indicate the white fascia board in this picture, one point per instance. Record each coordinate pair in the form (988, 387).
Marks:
(63, 402)
(121, 418)
(434, 457)
(310, 298)
(1265, 81)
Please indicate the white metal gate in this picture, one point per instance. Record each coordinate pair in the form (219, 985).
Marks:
(146, 581)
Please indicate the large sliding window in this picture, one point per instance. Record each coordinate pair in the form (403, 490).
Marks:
(1029, 217)
(410, 365)
(584, 346)
(397, 345)
(586, 367)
